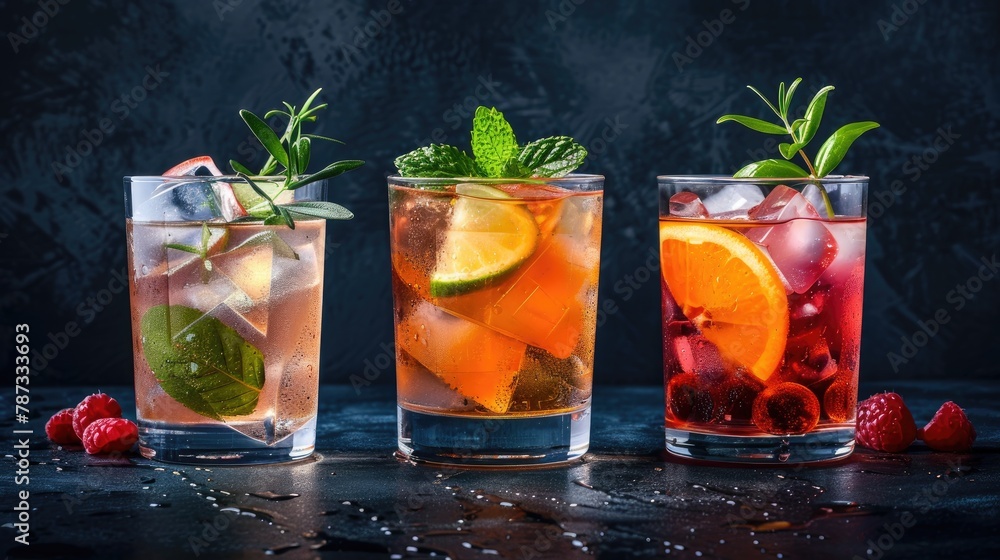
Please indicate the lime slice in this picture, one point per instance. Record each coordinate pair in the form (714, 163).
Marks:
(255, 204)
(487, 239)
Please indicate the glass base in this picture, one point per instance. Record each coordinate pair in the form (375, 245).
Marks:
(217, 444)
(827, 444)
(493, 441)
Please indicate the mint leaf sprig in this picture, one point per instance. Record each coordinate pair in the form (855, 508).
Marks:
(801, 131)
(496, 154)
(289, 155)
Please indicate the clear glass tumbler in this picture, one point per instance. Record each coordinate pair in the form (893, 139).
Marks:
(762, 283)
(225, 323)
(495, 292)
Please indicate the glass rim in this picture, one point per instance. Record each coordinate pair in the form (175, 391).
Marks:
(223, 178)
(576, 178)
(730, 179)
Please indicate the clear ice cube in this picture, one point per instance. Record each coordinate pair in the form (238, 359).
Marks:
(734, 200)
(687, 205)
(783, 203)
(801, 246)
(814, 195)
(194, 199)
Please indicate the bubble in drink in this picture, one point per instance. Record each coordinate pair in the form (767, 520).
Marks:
(688, 400)
(785, 409)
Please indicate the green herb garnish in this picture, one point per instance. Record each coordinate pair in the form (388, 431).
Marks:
(202, 363)
(497, 154)
(801, 131)
(289, 155)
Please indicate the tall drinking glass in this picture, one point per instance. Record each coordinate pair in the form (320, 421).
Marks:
(762, 283)
(495, 292)
(225, 323)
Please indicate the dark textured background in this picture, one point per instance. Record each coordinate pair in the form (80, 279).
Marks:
(554, 67)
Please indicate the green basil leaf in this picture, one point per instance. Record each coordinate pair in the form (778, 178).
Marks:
(287, 217)
(781, 98)
(274, 113)
(303, 153)
(754, 124)
(790, 93)
(556, 156)
(769, 104)
(813, 116)
(293, 158)
(776, 168)
(788, 151)
(239, 167)
(332, 170)
(436, 160)
(832, 152)
(200, 362)
(309, 101)
(185, 248)
(319, 137)
(319, 209)
(493, 141)
(266, 136)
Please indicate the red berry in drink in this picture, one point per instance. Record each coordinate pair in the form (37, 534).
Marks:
(688, 400)
(840, 401)
(734, 397)
(786, 408)
(98, 405)
(885, 424)
(107, 435)
(949, 430)
(59, 428)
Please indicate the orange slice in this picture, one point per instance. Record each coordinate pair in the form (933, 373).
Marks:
(728, 288)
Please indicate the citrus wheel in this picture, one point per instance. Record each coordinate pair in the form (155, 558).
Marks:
(729, 289)
(230, 204)
(489, 236)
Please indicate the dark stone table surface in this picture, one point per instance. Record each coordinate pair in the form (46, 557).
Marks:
(353, 499)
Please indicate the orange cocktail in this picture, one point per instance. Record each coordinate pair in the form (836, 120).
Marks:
(495, 290)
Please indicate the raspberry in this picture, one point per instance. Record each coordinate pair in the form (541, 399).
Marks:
(885, 424)
(98, 405)
(106, 435)
(949, 430)
(688, 400)
(59, 428)
(786, 408)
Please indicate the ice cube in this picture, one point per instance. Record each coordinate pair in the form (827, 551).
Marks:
(542, 304)
(693, 352)
(548, 383)
(808, 360)
(735, 200)
(687, 205)
(191, 283)
(182, 200)
(783, 204)
(477, 362)
(814, 195)
(801, 246)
